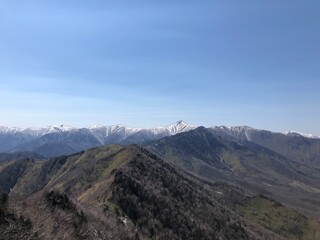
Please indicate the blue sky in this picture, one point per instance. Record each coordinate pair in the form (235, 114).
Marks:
(151, 63)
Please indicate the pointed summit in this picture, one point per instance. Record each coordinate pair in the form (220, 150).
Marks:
(179, 127)
(181, 122)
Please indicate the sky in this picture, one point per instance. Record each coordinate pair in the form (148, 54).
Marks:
(151, 63)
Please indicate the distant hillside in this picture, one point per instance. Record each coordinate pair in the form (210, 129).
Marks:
(63, 140)
(295, 146)
(218, 157)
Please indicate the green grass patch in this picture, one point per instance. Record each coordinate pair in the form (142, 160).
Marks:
(279, 219)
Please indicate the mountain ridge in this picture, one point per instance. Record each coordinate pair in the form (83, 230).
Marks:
(101, 192)
(176, 125)
(65, 140)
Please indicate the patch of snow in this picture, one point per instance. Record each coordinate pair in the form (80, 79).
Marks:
(300, 134)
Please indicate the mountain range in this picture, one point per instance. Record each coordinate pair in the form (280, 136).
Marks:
(173, 182)
(64, 140)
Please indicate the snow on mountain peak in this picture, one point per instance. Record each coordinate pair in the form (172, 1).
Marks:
(181, 122)
(245, 131)
(102, 132)
(4, 129)
(58, 128)
(299, 134)
(179, 127)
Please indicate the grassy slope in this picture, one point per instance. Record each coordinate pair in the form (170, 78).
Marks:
(279, 219)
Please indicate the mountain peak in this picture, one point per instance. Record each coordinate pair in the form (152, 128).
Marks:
(179, 127)
(181, 122)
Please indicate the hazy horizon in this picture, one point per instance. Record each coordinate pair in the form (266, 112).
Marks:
(146, 64)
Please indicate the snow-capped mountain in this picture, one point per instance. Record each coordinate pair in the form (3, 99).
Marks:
(60, 140)
(296, 146)
(239, 132)
(246, 132)
(299, 134)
